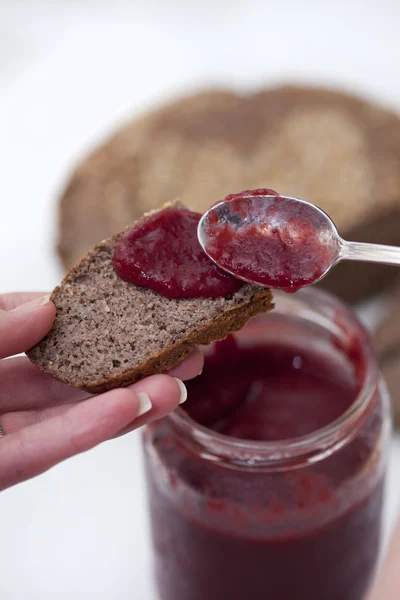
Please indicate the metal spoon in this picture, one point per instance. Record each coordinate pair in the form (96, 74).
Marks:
(279, 241)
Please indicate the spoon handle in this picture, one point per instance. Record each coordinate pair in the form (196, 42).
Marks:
(389, 255)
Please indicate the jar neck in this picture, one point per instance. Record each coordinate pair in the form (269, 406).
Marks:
(332, 321)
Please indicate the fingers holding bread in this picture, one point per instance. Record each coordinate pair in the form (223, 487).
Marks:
(34, 441)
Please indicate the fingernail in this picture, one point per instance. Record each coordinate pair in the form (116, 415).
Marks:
(144, 403)
(183, 390)
(30, 306)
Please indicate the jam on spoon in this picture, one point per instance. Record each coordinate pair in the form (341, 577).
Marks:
(279, 241)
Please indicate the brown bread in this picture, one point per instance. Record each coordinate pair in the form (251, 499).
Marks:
(336, 150)
(387, 346)
(110, 333)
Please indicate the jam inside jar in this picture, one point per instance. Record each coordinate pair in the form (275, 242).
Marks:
(270, 483)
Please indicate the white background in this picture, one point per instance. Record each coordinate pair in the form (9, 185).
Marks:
(69, 72)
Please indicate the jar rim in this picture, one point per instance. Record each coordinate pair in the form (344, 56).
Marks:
(310, 447)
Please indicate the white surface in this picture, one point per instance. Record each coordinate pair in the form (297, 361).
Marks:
(69, 71)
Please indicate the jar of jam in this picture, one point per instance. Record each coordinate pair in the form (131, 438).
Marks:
(268, 483)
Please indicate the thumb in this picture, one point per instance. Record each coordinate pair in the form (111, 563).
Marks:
(24, 326)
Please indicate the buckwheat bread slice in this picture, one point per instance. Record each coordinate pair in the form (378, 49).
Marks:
(109, 333)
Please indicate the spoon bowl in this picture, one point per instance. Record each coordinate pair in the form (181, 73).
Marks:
(279, 241)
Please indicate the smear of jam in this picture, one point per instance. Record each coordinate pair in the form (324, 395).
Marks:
(163, 253)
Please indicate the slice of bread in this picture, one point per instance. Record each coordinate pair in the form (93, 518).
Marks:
(336, 150)
(110, 333)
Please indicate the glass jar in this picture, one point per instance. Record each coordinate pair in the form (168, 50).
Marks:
(287, 519)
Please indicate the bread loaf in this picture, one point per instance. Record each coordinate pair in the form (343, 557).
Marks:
(330, 148)
(387, 346)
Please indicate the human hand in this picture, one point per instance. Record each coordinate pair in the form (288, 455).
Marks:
(43, 421)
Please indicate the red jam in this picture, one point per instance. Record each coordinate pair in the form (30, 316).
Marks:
(268, 393)
(163, 253)
(277, 244)
(238, 533)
